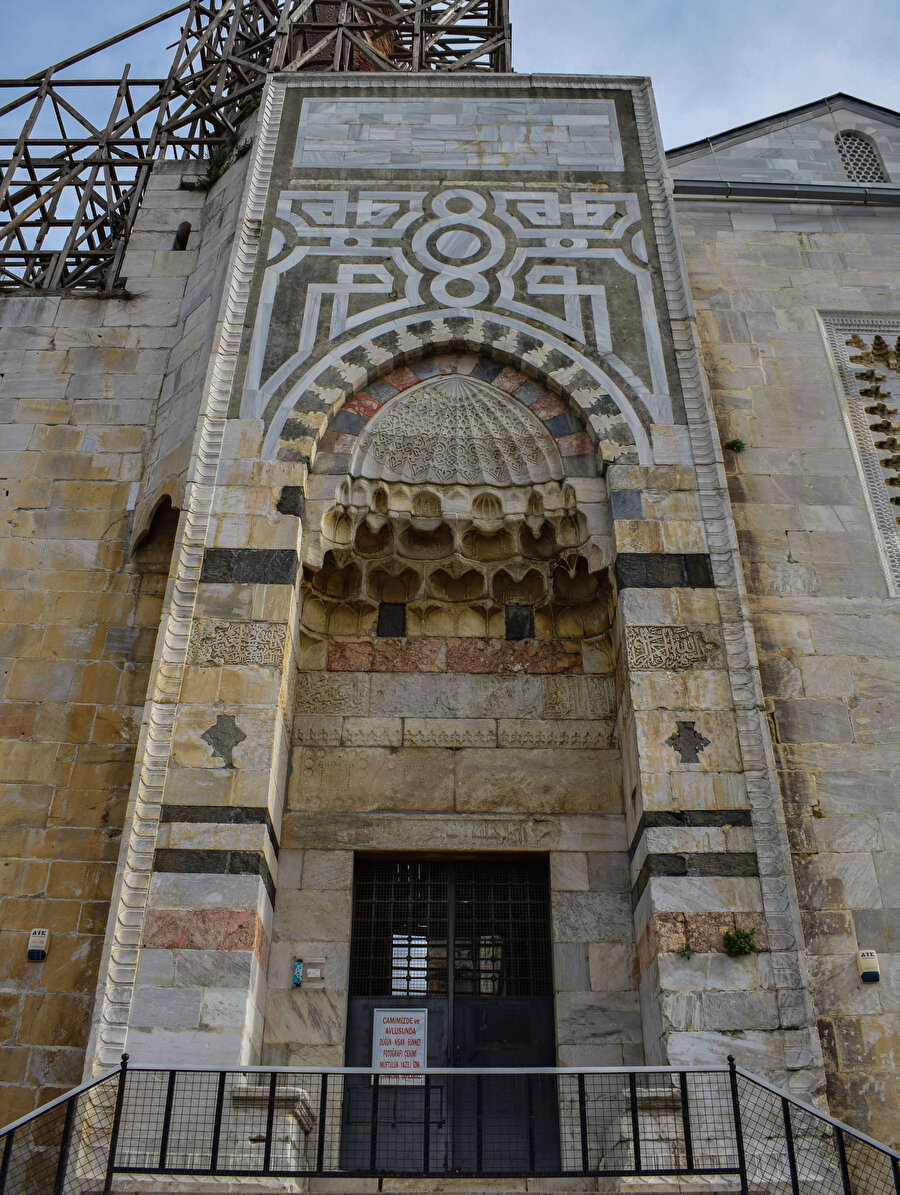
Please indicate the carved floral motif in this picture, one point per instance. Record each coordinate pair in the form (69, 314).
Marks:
(239, 643)
(652, 649)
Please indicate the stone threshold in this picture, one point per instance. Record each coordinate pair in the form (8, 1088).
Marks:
(186, 1185)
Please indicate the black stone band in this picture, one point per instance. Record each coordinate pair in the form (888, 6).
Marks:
(688, 817)
(721, 864)
(249, 566)
(232, 863)
(219, 815)
(661, 570)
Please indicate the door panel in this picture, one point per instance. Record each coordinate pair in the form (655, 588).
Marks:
(519, 1128)
(469, 941)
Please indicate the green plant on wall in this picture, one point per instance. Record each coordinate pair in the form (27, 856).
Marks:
(218, 164)
(739, 941)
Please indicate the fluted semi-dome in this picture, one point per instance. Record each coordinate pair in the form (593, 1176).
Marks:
(456, 430)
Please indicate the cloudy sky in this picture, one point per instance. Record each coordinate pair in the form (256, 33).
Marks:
(714, 63)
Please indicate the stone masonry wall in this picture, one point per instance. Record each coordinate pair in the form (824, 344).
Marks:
(85, 382)
(826, 629)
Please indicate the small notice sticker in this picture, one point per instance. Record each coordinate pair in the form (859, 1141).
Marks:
(399, 1044)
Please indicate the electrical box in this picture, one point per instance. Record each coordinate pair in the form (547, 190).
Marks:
(38, 941)
(309, 973)
(314, 976)
(867, 962)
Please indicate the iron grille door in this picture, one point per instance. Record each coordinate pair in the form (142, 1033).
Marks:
(468, 941)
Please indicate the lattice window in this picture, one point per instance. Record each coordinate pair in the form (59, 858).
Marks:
(865, 358)
(859, 157)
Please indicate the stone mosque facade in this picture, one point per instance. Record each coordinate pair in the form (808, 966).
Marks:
(480, 505)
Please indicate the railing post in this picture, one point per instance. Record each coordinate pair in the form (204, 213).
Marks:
(373, 1129)
(582, 1123)
(789, 1141)
(686, 1123)
(479, 1123)
(895, 1168)
(842, 1159)
(426, 1116)
(64, 1147)
(270, 1121)
(532, 1153)
(635, 1122)
(217, 1125)
(4, 1164)
(738, 1130)
(117, 1120)
(323, 1112)
(167, 1120)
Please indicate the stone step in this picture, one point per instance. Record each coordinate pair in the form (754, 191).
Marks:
(185, 1185)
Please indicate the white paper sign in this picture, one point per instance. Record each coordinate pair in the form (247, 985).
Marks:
(399, 1043)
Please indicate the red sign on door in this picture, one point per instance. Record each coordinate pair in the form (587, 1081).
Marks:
(399, 1043)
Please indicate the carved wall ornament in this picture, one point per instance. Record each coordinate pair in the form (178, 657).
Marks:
(456, 430)
(240, 643)
(671, 648)
(864, 350)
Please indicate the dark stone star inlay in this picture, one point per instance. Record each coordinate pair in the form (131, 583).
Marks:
(223, 737)
(687, 742)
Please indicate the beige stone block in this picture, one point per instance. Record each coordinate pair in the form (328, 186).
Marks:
(679, 535)
(249, 685)
(569, 871)
(327, 870)
(657, 690)
(372, 732)
(200, 685)
(40, 680)
(539, 780)
(611, 966)
(314, 1018)
(360, 778)
(449, 732)
(649, 607)
(314, 915)
(65, 723)
(707, 689)
(638, 535)
(702, 894)
(598, 655)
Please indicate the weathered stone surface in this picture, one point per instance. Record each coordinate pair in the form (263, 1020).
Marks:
(539, 781)
(457, 696)
(361, 778)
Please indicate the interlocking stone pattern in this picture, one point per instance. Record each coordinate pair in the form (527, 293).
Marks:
(118, 413)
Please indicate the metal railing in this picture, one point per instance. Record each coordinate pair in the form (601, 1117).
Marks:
(596, 1122)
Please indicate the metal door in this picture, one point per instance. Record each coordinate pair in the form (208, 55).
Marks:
(469, 941)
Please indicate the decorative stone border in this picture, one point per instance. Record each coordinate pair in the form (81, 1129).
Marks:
(616, 428)
(837, 327)
(129, 898)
